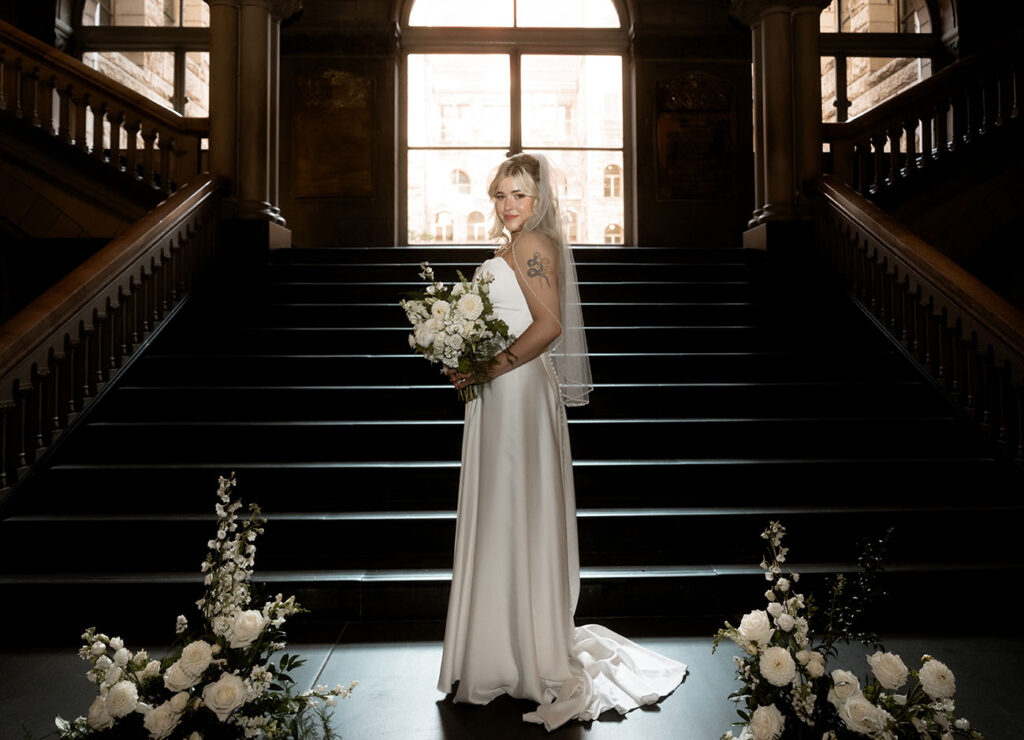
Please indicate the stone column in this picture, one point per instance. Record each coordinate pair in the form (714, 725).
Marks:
(275, 111)
(757, 52)
(777, 97)
(224, 88)
(807, 94)
(254, 111)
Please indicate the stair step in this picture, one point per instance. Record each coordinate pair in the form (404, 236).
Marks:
(378, 440)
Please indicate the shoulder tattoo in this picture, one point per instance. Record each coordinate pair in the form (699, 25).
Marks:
(538, 267)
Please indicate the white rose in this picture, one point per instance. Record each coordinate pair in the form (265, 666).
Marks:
(470, 306)
(756, 627)
(224, 696)
(782, 584)
(116, 643)
(113, 675)
(103, 663)
(937, 680)
(122, 656)
(775, 609)
(888, 669)
(177, 678)
(195, 657)
(962, 724)
(766, 723)
(99, 718)
(122, 698)
(161, 721)
(457, 290)
(862, 716)
(784, 622)
(770, 595)
(844, 685)
(440, 309)
(816, 666)
(245, 628)
(454, 341)
(195, 736)
(777, 666)
(178, 701)
(98, 648)
(435, 324)
(152, 669)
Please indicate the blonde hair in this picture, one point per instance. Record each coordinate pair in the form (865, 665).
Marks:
(525, 171)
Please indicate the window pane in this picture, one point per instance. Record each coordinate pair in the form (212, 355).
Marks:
(197, 83)
(439, 204)
(567, 14)
(459, 100)
(150, 73)
(586, 176)
(461, 13)
(572, 101)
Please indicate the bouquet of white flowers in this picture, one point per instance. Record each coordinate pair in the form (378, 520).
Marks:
(455, 325)
(219, 681)
(787, 695)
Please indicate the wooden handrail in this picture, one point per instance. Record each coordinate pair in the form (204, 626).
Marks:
(910, 133)
(968, 337)
(59, 351)
(52, 91)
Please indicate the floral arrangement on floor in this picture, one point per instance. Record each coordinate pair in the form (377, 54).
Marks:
(219, 681)
(455, 325)
(786, 692)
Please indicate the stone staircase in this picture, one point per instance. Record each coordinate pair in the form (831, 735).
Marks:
(727, 396)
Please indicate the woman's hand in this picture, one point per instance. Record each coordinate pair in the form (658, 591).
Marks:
(461, 380)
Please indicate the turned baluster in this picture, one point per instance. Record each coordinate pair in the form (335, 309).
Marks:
(46, 88)
(34, 415)
(862, 176)
(942, 138)
(29, 90)
(85, 373)
(1014, 110)
(99, 114)
(166, 157)
(6, 411)
(911, 163)
(132, 315)
(971, 388)
(1018, 393)
(53, 390)
(3, 79)
(132, 153)
(878, 143)
(927, 154)
(943, 342)
(892, 133)
(116, 123)
(124, 324)
(148, 141)
(81, 111)
(1004, 407)
(64, 114)
(110, 338)
(19, 436)
(16, 106)
(986, 370)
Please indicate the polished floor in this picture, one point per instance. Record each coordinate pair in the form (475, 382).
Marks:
(396, 666)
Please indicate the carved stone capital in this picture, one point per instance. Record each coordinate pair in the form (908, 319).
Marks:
(285, 10)
(751, 12)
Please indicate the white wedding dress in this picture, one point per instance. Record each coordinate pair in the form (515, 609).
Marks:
(515, 580)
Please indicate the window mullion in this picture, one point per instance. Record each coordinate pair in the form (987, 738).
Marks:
(515, 103)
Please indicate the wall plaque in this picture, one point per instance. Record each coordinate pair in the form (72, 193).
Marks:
(333, 135)
(695, 137)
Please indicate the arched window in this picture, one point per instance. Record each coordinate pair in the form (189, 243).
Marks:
(476, 230)
(461, 181)
(572, 226)
(612, 181)
(613, 234)
(567, 88)
(444, 227)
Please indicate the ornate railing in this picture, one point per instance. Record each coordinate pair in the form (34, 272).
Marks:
(59, 352)
(966, 336)
(57, 94)
(908, 136)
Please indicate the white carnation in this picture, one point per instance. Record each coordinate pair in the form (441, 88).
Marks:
(195, 657)
(470, 306)
(440, 309)
(777, 666)
(99, 718)
(937, 680)
(424, 335)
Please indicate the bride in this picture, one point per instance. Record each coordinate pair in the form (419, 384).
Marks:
(516, 578)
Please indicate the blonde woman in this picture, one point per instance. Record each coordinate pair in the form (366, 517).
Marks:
(515, 580)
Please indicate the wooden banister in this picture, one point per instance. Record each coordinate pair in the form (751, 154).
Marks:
(49, 90)
(57, 353)
(966, 336)
(907, 135)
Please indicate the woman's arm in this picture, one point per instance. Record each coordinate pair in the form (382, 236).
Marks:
(536, 268)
